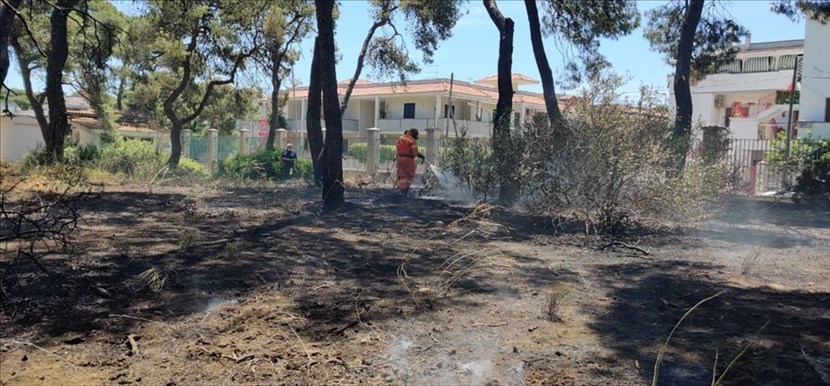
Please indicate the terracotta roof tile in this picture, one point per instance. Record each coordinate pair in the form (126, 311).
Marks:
(429, 86)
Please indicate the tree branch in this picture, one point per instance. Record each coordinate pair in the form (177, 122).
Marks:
(209, 90)
(26, 26)
(495, 14)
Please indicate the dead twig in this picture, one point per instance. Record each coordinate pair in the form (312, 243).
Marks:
(624, 245)
(489, 324)
(133, 344)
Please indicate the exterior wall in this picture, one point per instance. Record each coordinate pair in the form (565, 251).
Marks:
(367, 116)
(758, 81)
(18, 136)
(424, 106)
(815, 81)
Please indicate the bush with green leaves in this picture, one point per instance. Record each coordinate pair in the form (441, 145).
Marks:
(813, 185)
(471, 161)
(133, 157)
(263, 165)
(360, 151)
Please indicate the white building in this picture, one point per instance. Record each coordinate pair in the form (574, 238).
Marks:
(815, 80)
(394, 107)
(748, 95)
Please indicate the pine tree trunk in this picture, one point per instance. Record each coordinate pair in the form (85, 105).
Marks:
(504, 159)
(313, 129)
(333, 188)
(545, 73)
(55, 64)
(6, 21)
(175, 143)
(681, 137)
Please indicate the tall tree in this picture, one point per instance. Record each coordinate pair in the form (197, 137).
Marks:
(505, 168)
(699, 40)
(46, 22)
(208, 40)
(545, 73)
(580, 24)
(55, 63)
(313, 113)
(333, 188)
(287, 23)
(8, 10)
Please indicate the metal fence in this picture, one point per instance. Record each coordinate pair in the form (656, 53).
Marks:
(756, 166)
(199, 149)
(226, 147)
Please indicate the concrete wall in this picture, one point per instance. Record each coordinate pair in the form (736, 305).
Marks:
(424, 106)
(815, 81)
(18, 136)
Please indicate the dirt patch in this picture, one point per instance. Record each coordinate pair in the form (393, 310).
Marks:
(259, 285)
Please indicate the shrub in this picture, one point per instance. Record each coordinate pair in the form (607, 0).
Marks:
(360, 151)
(608, 163)
(471, 161)
(76, 155)
(813, 185)
(133, 157)
(263, 165)
(193, 169)
(82, 155)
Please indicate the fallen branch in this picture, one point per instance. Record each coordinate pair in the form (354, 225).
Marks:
(133, 344)
(488, 324)
(624, 245)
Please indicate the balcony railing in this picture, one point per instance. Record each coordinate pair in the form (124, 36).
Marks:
(473, 128)
(348, 125)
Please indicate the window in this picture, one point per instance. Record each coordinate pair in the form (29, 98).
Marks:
(517, 120)
(827, 110)
(408, 110)
(446, 110)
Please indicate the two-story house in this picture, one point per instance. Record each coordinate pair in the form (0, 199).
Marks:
(750, 94)
(426, 103)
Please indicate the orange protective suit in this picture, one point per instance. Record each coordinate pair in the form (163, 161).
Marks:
(407, 150)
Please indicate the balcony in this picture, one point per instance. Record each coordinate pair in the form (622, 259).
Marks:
(760, 64)
(349, 125)
(474, 128)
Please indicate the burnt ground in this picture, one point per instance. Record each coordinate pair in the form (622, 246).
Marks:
(258, 285)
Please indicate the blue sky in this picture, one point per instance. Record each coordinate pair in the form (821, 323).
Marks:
(472, 51)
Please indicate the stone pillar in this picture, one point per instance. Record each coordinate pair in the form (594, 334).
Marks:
(373, 142)
(522, 115)
(282, 139)
(433, 140)
(303, 109)
(185, 138)
(213, 148)
(437, 108)
(377, 111)
(244, 134)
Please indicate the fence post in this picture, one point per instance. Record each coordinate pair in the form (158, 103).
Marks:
(373, 148)
(213, 148)
(433, 135)
(185, 138)
(282, 139)
(243, 140)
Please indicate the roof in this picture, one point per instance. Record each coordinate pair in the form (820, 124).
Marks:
(777, 45)
(515, 77)
(468, 89)
(359, 81)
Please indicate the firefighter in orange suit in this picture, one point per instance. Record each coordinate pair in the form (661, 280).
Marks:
(407, 150)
